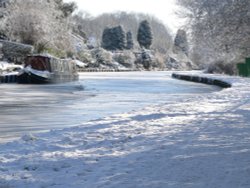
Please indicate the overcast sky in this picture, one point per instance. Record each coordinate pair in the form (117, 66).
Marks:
(162, 9)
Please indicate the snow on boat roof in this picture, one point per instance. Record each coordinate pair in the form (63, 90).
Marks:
(43, 55)
(46, 55)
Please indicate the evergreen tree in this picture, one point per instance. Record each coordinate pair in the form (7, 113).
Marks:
(130, 42)
(113, 38)
(119, 37)
(180, 41)
(144, 35)
(107, 39)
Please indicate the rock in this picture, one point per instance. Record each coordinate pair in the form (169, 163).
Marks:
(28, 138)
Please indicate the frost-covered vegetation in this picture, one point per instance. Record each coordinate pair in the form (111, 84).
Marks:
(39, 23)
(215, 38)
(219, 32)
(117, 40)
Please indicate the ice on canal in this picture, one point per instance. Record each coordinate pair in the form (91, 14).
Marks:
(35, 108)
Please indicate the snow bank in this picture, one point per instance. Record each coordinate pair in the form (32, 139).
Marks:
(198, 141)
(8, 67)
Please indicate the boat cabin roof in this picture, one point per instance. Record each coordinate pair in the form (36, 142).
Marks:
(43, 55)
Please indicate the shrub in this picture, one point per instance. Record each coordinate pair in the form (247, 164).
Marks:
(55, 52)
(85, 56)
(222, 67)
(145, 58)
(125, 58)
(102, 58)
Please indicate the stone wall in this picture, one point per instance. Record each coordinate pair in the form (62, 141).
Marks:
(202, 79)
(14, 50)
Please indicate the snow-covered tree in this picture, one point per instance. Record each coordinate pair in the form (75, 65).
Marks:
(107, 42)
(144, 35)
(119, 37)
(180, 41)
(113, 38)
(130, 42)
(3, 12)
(220, 29)
(39, 23)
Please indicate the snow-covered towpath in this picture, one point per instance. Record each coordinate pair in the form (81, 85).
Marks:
(201, 141)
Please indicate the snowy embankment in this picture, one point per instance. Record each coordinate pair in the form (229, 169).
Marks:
(198, 141)
(202, 79)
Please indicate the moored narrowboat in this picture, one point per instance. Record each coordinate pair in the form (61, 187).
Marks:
(40, 69)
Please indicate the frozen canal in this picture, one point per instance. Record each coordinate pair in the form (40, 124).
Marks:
(37, 108)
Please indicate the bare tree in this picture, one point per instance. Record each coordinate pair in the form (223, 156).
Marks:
(3, 14)
(220, 29)
(38, 22)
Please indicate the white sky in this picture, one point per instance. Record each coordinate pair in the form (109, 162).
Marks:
(162, 9)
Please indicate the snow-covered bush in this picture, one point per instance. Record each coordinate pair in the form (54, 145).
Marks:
(85, 56)
(144, 59)
(159, 62)
(150, 60)
(125, 58)
(102, 57)
(222, 67)
(179, 61)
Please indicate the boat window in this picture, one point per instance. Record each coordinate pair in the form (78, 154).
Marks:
(38, 63)
(48, 64)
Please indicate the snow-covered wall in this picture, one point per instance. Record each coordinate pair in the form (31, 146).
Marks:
(202, 79)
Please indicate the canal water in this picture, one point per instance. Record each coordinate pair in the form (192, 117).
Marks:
(38, 108)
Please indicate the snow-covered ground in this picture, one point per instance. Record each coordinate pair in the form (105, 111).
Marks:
(198, 141)
(6, 67)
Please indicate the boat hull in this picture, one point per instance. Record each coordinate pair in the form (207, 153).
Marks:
(31, 78)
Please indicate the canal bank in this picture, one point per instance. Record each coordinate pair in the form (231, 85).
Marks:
(196, 141)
